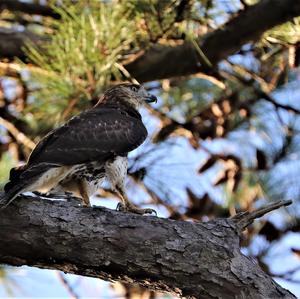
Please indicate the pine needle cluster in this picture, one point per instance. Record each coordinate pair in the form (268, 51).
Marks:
(82, 56)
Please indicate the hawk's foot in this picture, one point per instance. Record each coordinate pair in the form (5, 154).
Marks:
(133, 209)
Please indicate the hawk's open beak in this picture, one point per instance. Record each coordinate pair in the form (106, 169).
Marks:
(151, 98)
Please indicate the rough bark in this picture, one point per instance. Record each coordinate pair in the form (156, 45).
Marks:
(247, 26)
(196, 260)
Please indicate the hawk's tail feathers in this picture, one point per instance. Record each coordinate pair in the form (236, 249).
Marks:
(20, 179)
(13, 188)
(7, 197)
(14, 176)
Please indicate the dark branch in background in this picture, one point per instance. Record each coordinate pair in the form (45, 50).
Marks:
(67, 286)
(247, 26)
(258, 89)
(180, 9)
(195, 260)
(28, 8)
(208, 122)
(13, 42)
(277, 105)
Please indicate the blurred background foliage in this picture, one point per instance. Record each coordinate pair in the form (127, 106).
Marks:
(217, 143)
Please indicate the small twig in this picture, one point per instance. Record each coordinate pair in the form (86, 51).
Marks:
(212, 79)
(244, 219)
(262, 90)
(66, 284)
(19, 136)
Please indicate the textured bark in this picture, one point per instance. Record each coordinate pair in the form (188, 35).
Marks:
(161, 61)
(196, 260)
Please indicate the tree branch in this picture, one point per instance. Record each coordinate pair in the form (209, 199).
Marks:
(29, 8)
(244, 219)
(247, 26)
(195, 260)
(13, 42)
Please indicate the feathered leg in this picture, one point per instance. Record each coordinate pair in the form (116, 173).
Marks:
(83, 190)
(72, 189)
(116, 172)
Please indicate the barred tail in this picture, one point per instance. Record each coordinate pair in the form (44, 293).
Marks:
(20, 180)
(13, 188)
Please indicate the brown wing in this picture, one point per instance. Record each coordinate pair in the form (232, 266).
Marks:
(93, 135)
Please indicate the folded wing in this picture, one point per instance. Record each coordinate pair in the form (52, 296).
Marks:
(91, 136)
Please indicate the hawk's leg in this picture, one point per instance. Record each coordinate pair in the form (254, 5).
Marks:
(127, 206)
(82, 188)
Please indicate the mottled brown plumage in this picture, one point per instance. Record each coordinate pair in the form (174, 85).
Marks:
(77, 156)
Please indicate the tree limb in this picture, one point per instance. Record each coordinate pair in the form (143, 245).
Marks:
(195, 260)
(19, 136)
(13, 42)
(29, 8)
(247, 26)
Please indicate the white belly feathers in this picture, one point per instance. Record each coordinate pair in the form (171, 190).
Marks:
(116, 171)
(64, 178)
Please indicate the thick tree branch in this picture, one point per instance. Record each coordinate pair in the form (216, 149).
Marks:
(196, 260)
(247, 26)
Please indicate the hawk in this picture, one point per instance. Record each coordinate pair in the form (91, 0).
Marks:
(90, 147)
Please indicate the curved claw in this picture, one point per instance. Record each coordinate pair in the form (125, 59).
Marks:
(132, 209)
(120, 207)
(150, 211)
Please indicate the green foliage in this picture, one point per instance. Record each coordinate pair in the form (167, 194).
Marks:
(86, 45)
(6, 163)
(158, 20)
(287, 33)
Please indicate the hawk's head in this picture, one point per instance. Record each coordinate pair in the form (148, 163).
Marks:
(130, 94)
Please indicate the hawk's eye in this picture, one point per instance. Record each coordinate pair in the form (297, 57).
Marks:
(134, 89)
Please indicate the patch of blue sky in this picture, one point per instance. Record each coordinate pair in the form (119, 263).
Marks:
(289, 93)
(27, 282)
(280, 259)
(246, 60)
(10, 88)
(223, 9)
(291, 286)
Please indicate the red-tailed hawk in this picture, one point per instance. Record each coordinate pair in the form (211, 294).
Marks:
(90, 147)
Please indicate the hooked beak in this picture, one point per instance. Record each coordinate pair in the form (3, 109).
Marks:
(151, 98)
